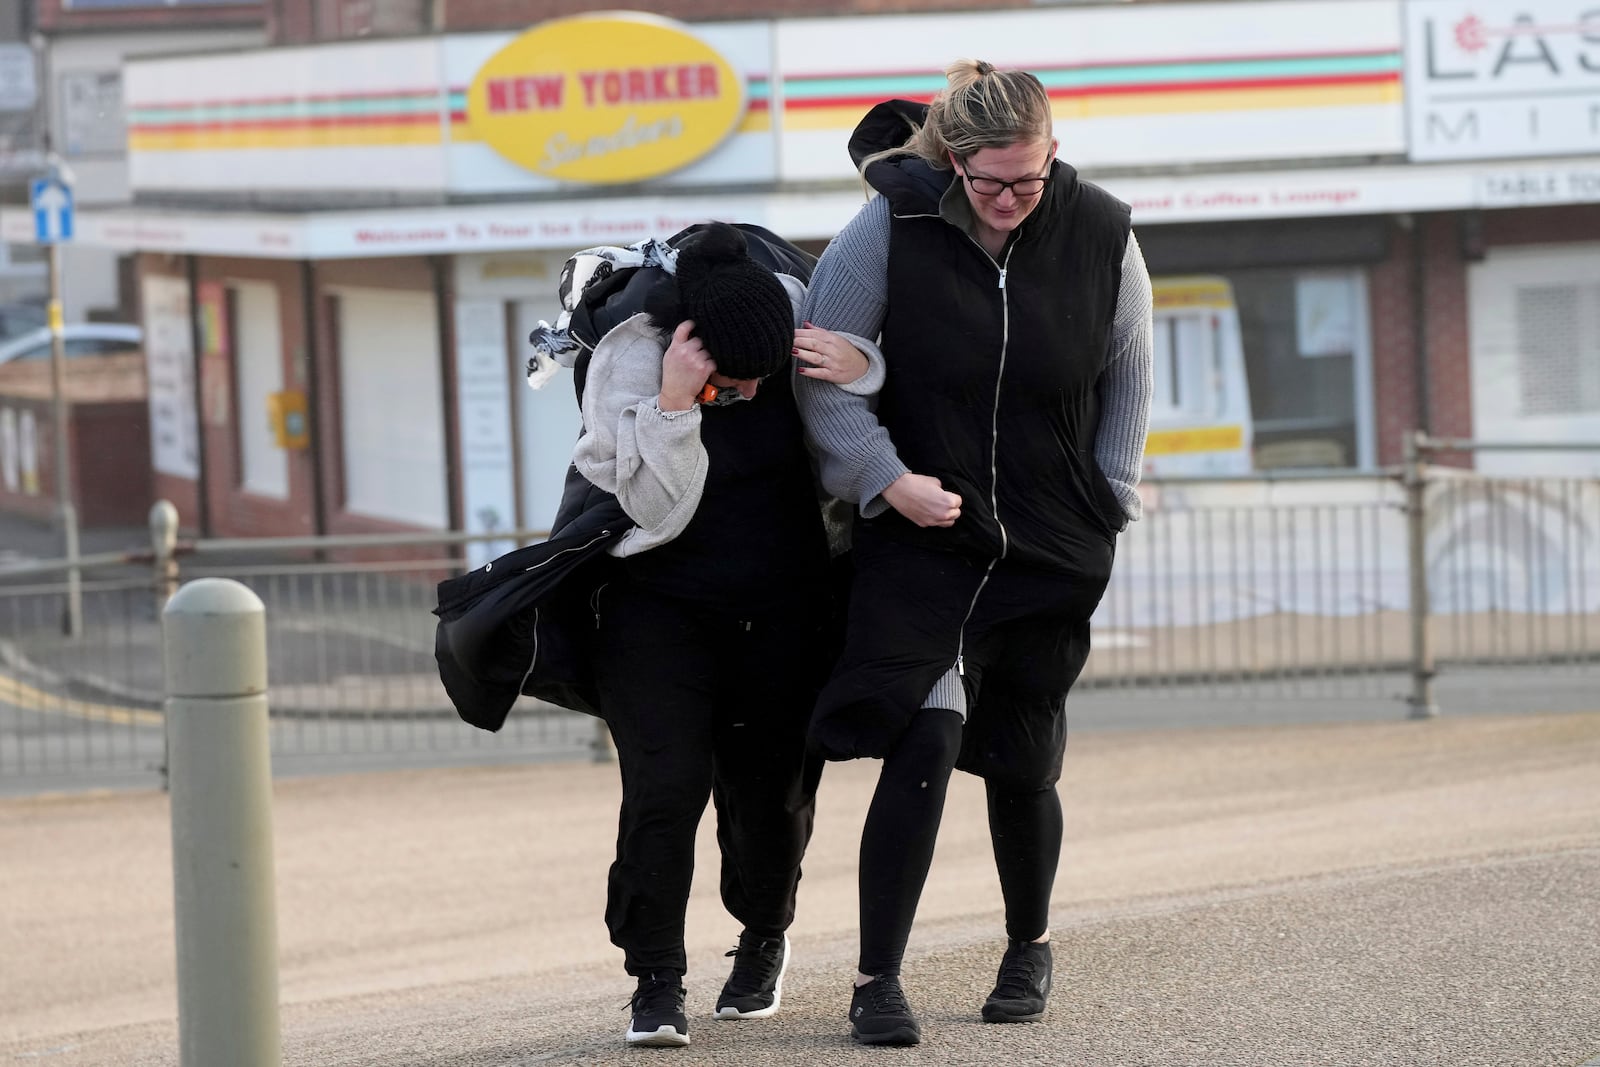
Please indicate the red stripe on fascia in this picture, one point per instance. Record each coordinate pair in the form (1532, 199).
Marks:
(285, 124)
(850, 101)
(276, 101)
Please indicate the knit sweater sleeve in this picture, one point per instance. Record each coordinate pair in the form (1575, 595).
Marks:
(849, 294)
(1126, 384)
(652, 460)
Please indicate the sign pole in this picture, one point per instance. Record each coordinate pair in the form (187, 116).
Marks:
(72, 621)
(51, 199)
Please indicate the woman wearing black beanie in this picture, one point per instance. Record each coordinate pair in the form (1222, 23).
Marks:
(689, 419)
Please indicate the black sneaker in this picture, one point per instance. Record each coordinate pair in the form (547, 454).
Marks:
(879, 1014)
(658, 1020)
(754, 989)
(1023, 985)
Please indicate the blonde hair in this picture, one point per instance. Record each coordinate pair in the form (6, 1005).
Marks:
(980, 107)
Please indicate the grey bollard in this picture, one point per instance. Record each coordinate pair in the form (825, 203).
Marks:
(214, 632)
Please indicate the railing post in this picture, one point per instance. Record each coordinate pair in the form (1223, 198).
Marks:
(1422, 668)
(214, 633)
(164, 580)
(601, 747)
(163, 545)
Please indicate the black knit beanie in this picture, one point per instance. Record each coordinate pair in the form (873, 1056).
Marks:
(740, 310)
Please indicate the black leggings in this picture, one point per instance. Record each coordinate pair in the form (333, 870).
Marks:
(902, 826)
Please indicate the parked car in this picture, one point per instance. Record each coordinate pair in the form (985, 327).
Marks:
(18, 319)
(79, 339)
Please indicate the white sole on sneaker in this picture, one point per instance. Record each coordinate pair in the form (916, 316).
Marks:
(665, 1037)
(777, 994)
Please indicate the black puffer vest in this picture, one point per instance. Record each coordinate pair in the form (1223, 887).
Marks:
(993, 368)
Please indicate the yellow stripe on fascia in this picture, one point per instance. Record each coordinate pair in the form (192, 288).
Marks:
(1195, 439)
(230, 140)
(28, 698)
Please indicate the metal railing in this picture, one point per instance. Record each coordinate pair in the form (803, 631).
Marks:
(350, 656)
(1276, 593)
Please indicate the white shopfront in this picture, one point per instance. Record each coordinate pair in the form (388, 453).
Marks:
(1201, 115)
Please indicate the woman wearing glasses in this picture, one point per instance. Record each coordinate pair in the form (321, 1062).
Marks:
(1014, 314)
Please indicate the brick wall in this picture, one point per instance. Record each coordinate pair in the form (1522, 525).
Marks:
(1449, 352)
(1394, 340)
(111, 446)
(54, 16)
(518, 14)
(1393, 322)
(304, 21)
(1540, 226)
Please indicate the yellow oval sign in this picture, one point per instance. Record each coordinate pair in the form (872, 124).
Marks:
(608, 98)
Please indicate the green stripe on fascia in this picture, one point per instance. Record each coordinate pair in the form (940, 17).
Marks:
(882, 85)
(1220, 70)
(296, 109)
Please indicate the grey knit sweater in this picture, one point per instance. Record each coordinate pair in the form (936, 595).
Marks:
(849, 293)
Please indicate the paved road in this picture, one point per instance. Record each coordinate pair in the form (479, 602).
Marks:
(1405, 893)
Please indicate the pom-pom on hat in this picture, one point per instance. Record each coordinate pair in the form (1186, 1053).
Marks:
(740, 310)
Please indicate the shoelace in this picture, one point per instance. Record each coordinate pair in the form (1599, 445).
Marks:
(652, 994)
(752, 963)
(1016, 976)
(887, 997)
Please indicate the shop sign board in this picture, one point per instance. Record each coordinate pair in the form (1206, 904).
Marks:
(620, 97)
(1502, 78)
(169, 356)
(18, 89)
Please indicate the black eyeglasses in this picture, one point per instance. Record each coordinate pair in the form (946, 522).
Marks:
(994, 186)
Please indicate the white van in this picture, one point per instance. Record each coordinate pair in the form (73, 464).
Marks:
(1200, 412)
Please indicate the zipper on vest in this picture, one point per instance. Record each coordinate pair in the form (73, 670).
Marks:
(961, 635)
(994, 420)
(994, 428)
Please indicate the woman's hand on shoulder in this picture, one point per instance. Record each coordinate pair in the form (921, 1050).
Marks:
(685, 367)
(923, 499)
(827, 357)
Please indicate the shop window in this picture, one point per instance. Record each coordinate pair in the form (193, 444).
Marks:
(1260, 369)
(1307, 361)
(1186, 360)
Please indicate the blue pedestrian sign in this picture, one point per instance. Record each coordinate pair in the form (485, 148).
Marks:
(52, 210)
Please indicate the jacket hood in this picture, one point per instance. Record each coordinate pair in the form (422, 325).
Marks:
(887, 125)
